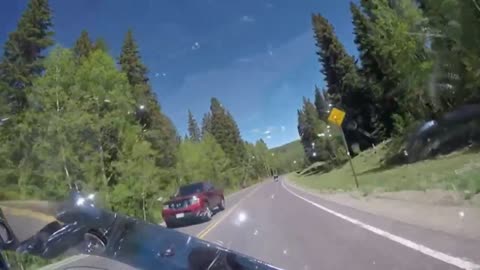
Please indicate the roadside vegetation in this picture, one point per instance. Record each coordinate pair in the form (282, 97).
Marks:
(417, 61)
(458, 171)
(84, 115)
(288, 157)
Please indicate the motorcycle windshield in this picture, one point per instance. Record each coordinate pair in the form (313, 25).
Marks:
(111, 239)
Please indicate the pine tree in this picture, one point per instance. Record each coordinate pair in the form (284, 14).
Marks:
(160, 131)
(470, 38)
(370, 71)
(337, 66)
(206, 123)
(22, 54)
(454, 45)
(226, 132)
(394, 60)
(83, 46)
(446, 51)
(344, 85)
(130, 61)
(310, 128)
(193, 129)
(100, 44)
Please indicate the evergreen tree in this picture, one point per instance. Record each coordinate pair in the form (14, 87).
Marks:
(206, 123)
(310, 127)
(22, 54)
(193, 129)
(337, 66)
(100, 44)
(394, 60)
(454, 37)
(226, 132)
(159, 129)
(344, 87)
(470, 38)
(370, 71)
(83, 46)
(130, 61)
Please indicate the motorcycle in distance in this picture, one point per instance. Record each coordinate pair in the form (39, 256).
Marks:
(82, 226)
(275, 178)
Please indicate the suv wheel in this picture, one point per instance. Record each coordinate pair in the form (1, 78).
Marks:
(208, 213)
(221, 206)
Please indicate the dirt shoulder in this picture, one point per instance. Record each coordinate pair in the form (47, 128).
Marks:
(433, 209)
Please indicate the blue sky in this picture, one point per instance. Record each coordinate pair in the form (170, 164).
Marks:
(256, 56)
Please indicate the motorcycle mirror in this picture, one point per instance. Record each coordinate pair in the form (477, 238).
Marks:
(6, 236)
(3, 234)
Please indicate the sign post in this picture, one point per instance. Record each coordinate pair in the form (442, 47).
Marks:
(336, 117)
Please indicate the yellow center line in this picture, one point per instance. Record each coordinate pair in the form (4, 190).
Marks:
(212, 225)
(27, 213)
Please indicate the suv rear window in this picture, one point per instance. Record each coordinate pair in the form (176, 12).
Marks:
(190, 189)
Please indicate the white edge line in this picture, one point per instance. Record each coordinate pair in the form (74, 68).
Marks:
(461, 263)
(64, 262)
(221, 218)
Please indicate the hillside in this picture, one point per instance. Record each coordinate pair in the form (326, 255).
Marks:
(457, 171)
(288, 157)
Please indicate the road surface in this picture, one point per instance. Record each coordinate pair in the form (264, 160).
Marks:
(293, 229)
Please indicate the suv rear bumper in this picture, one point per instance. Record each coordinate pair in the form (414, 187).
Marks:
(189, 216)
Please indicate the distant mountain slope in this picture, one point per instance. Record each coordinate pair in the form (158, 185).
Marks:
(288, 157)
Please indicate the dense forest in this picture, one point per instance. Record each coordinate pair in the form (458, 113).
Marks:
(417, 60)
(82, 115)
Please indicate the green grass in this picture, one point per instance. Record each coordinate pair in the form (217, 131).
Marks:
(459, 171)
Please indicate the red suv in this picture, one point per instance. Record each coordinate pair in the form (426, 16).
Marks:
(192, 202)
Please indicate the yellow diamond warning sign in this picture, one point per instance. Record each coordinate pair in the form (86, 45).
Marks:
(336, 116)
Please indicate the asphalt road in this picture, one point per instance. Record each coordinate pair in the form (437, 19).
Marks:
(293, 229)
